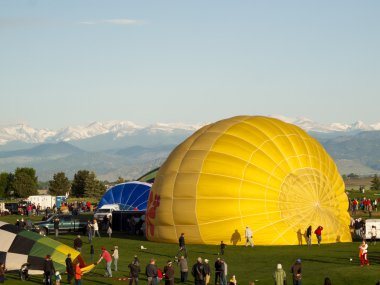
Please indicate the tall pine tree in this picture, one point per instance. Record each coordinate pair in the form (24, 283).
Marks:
(94, 188)
(79, 183)
(60, 185)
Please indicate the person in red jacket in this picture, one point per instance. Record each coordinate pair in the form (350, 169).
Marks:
(318, 233)
(78, 275)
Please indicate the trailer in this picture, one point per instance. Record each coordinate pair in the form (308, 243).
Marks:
(45, 201)
(368, 227)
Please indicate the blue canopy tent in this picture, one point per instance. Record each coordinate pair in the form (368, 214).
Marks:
(129, 196)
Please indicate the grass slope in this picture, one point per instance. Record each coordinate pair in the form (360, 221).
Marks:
(248, 264)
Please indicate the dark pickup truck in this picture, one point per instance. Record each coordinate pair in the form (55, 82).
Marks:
(67, 223)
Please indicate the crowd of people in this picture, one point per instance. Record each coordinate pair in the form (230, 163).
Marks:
(76, 207)
(364, 204)
(200, 270)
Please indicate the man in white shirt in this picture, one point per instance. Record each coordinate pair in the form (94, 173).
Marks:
(248, 236)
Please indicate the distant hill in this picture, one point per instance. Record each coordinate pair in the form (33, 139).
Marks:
(56, 150)
(124, 149)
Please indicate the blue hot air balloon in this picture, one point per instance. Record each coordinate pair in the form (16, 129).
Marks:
(129, 196)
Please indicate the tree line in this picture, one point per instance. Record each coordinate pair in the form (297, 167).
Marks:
(23, 183)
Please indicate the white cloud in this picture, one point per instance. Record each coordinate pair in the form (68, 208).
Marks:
(113, 22)
(122, 21)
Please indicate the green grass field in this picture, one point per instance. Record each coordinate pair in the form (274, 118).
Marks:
(248, 264)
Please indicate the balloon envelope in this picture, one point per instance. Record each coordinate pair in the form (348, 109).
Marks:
(129, 196)
(18, 247)
(248, 171)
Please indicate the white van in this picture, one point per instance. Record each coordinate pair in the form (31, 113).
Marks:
(105, 210)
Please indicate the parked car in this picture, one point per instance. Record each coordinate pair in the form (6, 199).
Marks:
(67, 223)
(105, 210)
(12, 207)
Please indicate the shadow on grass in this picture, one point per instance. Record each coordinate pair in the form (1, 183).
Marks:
(154, 253)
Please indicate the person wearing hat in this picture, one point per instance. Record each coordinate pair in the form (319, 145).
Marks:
(279, 275)
(134, 270)
(296, 270)
(183, 267)
(115, 256)
(199, 273)
(169, 273)
(108, 259)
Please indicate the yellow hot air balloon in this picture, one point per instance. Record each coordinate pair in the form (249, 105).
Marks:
(248, 171)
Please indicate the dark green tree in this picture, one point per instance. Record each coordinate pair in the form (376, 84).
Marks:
(9, 190)
(24, 184)
(375, 183)
(60, 185)
(93, 187)
(79, 183)
(4, 184)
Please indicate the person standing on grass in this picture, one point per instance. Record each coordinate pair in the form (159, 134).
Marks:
(169, 273)
(89, 230)
(78, 275)
(69, 268)
(56, 226)
(222, 247)
(151, 272)
(279, 275)
(95, 226)
(207, 270)
(48, 269)
(115, 256)
(308, 235)
(78, 243)
(363, 253)
(184, 269)
(318, 233)
(248, 236)
(296, 270)
(198, 271)
(134, 271)
(182, 245)
(218, 271)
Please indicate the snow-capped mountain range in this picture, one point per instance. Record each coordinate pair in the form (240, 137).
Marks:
(118, 129)
(124, 149)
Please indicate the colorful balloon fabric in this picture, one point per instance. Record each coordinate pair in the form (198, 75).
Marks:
(248, 171)
(20, 246)
(130, 195)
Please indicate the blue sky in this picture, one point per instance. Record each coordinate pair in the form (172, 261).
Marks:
(74, 62)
